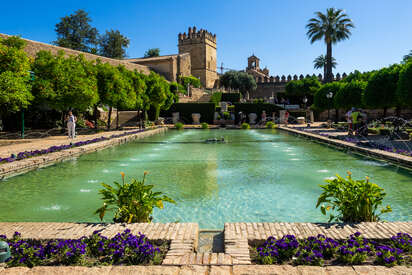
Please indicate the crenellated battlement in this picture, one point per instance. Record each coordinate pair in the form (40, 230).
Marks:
(262, 75)
(194, 35)
(286, 79)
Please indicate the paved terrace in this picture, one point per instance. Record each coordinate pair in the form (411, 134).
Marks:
(25, 165)
(182, 257)
(392, 157)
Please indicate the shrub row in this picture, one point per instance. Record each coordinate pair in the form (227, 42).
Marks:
(256, 108)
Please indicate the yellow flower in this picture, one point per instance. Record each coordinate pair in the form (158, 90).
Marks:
(367, 178)
(145, 173)
(122, 173)
(349, 173)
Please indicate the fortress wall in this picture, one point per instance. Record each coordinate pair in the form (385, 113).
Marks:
(33, 47)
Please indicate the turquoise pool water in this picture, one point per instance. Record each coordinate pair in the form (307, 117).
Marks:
(257, 176)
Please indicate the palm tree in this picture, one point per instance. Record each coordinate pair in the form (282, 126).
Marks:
(407, 57)
(320, 62)
(332, 27)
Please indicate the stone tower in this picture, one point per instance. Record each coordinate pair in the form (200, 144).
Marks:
(202, 48)
(253, 62)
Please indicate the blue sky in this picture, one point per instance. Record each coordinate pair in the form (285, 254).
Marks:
(272, 30)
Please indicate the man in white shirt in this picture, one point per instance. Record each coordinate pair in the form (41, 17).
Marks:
(71, 125)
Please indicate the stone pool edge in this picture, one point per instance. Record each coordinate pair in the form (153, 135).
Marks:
(183, 259)
(29, 164)
(388, 156)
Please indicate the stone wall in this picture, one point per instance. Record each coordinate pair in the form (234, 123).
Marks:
(184, 64)
(170, 66)
(33, 47)
(268, 89)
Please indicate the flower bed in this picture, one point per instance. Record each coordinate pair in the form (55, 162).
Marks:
(378, 146)
(371, 144)
(123, 249)
(29, 154)
(321, 251)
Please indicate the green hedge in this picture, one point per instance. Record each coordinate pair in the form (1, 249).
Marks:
(216, 98)
(257, 108)
(206, 110)
(231, 97)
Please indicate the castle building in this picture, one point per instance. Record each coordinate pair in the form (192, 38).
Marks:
(271, 86)
(201, 45)
(197, 57)
(253, 68)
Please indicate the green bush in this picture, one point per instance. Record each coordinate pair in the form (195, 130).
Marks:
(271, 125)
(190, 80)
(216, 98)
(245, 126)
(375, 131)
(133, 202)
(80, 123)
(179, 126)
(226, 115)
(204, 125)
(353, 200)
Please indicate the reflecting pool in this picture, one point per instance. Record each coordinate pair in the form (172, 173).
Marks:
(256, 176)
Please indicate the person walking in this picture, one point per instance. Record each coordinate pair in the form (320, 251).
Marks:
(354, 116)
(71, 125)
(349, 121)
(286, 118)
(263, 116)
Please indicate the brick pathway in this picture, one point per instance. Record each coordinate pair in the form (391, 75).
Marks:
(14, 146)
(393, 157)
(25, 165)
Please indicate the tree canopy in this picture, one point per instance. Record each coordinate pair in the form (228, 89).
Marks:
(15, 88)
(112, 44)
(320, 62)
(381, 89)
(75, 32)
(407, 57)
(357, 75)
(303, 87)
(153, 52)
(159, 93)
(350, 95)
(241, 81)
(332, 26)
(321, 101)
(190, 80)
(63, 82)
(404, 90)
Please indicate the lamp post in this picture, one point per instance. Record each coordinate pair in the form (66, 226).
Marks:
(329, 96)
(305, 100)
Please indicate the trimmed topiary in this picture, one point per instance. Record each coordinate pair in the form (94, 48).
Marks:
(179, 126)
(245, 126)
(271, 125)
(205, 125)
